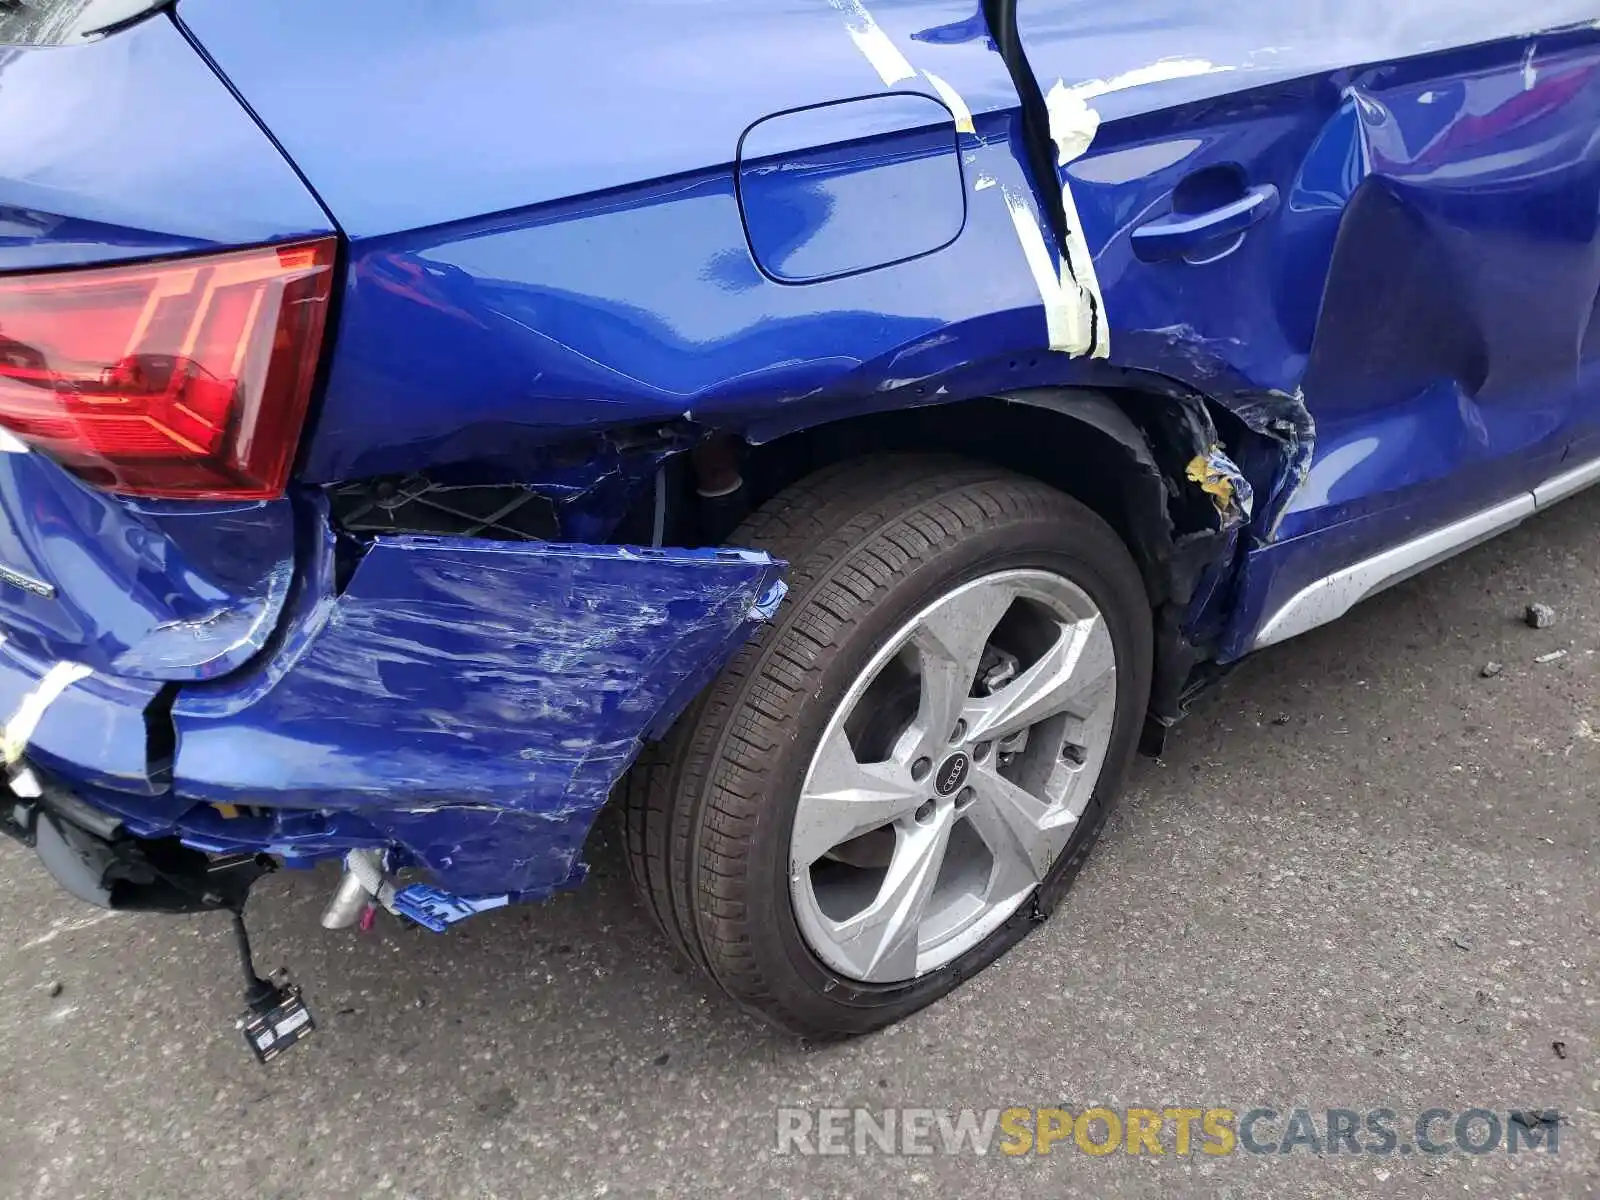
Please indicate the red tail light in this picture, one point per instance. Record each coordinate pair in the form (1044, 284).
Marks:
(187, 378)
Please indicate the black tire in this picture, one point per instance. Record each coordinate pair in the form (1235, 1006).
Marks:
(707, 814)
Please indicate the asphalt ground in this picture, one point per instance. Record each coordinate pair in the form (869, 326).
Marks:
(1363, 877)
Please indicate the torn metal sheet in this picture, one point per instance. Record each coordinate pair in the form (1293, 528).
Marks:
(1217, 475)
(476, 701)
(1073, 125)
(1182, 539)
(1069, 321)
(1074, 310)
(1286, 419)
(63, 715)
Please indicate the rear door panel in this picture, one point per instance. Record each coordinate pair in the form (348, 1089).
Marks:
(1425, 284)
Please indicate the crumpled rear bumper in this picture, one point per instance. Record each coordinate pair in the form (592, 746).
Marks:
(86, 726)
(468, 703)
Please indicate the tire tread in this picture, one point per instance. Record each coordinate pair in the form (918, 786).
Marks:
(691, 804)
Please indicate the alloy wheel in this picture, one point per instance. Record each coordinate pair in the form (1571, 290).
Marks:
(952, 775)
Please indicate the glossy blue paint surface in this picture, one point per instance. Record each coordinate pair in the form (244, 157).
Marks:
(407, 113)
(131, 147)
(94, 734)
(648, 307)
(1155, 55)
(1363, 239)
(850, 187)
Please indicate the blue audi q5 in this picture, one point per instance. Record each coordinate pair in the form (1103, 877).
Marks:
(827, 438)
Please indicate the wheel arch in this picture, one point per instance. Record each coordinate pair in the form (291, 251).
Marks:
(1129, 454)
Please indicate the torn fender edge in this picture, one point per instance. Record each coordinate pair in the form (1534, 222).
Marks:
(1053, 134)
(1284, 418)
(1183, 535)
(1180, 368)
(475, 700)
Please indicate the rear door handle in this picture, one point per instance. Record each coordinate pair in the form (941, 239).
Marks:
(1182, 234)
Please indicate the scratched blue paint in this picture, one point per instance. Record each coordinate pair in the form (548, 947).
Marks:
(140, 591)
(544, 256)
(477, 701)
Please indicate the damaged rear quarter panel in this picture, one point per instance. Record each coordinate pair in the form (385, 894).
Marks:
(611, 282)
(489, 339)
(475, 700)
(553, 247)
(136, 589)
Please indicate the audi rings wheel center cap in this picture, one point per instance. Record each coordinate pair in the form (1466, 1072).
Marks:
(952, 774)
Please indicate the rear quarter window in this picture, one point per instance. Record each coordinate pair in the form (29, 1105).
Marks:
(63, 22)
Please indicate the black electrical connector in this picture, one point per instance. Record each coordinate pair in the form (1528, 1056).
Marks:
(275, 1017)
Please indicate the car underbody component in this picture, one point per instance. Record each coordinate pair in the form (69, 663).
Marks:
(435, 909)
(92, 856)
(364, 883)
(275, 1016)
(722, 498)
(420, 504)
(365, 887)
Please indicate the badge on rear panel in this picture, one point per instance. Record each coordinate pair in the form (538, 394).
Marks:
(27, 582)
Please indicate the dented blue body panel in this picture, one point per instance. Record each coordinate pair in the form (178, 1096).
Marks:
(1442, 150)
(470, 701)
(1358, 246)
(147, 590)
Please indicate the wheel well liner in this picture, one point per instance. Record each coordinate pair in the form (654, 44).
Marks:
(1128, 454)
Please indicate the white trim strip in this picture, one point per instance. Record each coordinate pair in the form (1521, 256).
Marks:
(1066, 324)
(954, 102)
(1069, 288)
(1073, 126)
(874, 43)
(19, 730)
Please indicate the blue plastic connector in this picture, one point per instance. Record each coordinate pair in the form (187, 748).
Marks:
(438, 910)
